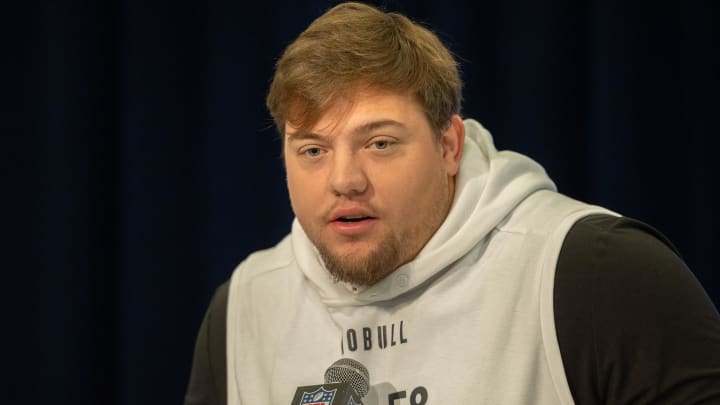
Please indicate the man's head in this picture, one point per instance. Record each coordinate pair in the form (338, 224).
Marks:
(367, 105)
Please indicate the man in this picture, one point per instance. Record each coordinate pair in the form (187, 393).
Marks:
(454, 272)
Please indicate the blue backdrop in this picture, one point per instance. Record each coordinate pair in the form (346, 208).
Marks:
(141, 165)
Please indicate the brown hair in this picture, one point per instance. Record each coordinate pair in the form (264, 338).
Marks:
(354, 45)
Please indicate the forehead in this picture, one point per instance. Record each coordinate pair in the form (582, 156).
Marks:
(365, 109)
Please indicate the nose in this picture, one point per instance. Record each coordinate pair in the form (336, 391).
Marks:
(347, 175)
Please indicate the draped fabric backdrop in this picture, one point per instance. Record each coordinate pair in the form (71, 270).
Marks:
(141, 165)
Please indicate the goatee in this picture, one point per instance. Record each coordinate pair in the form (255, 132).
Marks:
(363, 271)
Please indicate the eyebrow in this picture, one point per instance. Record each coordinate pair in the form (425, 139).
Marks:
(300, 136)
(374, 125)
(364, 128)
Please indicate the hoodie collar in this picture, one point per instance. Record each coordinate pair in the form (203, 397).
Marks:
(489, 185)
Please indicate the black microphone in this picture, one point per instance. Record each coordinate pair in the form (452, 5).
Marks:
(346, 382)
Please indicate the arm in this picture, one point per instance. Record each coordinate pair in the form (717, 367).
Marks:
(633, 323)
(208, 377)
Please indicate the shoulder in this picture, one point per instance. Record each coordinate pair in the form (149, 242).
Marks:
(621, 251)
(633, 323)
(264, 263)
(208, 378)
(622, 233)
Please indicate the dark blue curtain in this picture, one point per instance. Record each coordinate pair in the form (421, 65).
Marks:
(140, 164)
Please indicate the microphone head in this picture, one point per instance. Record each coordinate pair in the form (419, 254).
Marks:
(349, 371)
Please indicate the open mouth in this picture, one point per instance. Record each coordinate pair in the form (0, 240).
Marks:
(353, 224)
(353, 219)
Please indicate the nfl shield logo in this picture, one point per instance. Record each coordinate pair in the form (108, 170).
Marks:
(318, 397)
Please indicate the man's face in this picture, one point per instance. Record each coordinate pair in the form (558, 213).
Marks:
(370, 183)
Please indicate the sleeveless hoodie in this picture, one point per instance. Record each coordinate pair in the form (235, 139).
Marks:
(469, 320)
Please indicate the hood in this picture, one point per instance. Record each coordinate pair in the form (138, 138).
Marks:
(489, 185)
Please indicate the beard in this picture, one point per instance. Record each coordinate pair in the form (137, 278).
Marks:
(366, 270)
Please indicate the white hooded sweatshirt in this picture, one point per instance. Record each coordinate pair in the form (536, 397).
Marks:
(468, 321)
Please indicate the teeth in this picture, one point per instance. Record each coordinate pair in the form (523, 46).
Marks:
(355, 217)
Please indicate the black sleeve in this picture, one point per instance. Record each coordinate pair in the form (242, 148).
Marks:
(633, 324)
(208, 378)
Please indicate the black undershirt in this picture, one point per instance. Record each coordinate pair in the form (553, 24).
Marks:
(633, 324)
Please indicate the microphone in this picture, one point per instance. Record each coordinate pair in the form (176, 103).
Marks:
(346, 382)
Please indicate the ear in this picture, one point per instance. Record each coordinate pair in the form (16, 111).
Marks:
(452, 142)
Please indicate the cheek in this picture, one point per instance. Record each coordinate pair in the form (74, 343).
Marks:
(420, 177)
(294, 186)
(304, 190)
(412, 191)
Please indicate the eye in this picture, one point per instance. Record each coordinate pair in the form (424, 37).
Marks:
(381, 144)
(311, 152)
